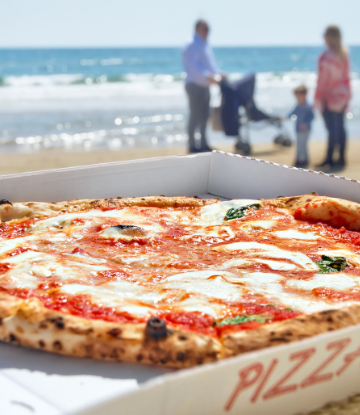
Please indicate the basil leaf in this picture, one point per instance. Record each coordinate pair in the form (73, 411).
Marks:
(240, 212)
(242, 319)
(331, 264)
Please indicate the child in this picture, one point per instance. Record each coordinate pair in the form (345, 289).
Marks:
(304, 115)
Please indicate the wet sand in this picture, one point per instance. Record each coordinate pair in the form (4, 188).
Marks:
(54, 159)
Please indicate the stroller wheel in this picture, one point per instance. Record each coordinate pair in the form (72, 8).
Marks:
(280, 139)
(283, 140)
(242, 148)
(287, 142)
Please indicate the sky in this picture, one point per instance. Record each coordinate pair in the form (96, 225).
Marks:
(111, 23)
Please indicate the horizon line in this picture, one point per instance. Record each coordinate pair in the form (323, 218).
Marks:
(163, 46)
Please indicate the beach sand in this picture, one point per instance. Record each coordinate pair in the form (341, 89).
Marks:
(54, 159)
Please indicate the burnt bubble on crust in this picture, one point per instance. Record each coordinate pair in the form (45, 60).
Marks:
(5, 202)
(156, 329)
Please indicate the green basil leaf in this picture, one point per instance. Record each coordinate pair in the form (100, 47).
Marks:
(242, 319)
(240, 212)
(331, 264)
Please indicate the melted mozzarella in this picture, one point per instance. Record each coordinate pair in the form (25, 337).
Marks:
(9, 245)
(31, 264)
(270, 251)
(224, 232)
(293, 234)
(275, 265)
(209, 283)
(270, 286)
(336, 281)
(114, 293)
(126, 216)
(253, 226)
(214, 214)
(215, 310)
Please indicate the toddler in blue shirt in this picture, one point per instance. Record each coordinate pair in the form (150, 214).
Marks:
(304, 116)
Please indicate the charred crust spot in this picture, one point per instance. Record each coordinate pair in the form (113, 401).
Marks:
(12, 338)
(5, 202)
(314, 194)
(43, 325)
(143, 198)
(327, 312)
(156, 329)
(41, 344)
(80, 330)
(58, 321)
(213, 355)
(330, 320)
(279, 339)
(114, 332)
(182, 337)
(57, 345)
(181, 356)
(94, 202)
(1, 321)
(139, 357)
(278, 197)
(292, 199)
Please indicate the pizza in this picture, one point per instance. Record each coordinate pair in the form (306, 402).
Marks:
(176, 281)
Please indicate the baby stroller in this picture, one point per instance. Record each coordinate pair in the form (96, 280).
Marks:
(237, 97)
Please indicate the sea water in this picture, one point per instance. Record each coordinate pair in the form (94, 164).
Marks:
(123, 97)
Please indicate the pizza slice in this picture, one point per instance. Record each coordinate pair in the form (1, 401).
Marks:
(176, 281)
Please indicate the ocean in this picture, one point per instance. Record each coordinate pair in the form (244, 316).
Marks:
(84, 99)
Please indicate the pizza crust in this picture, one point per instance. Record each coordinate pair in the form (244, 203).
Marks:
(335, 212)
(286, 331)
(28, 323)
(12, 211)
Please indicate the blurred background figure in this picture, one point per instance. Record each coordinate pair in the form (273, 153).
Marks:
(201, 71)
(304, 116)
(333, 94)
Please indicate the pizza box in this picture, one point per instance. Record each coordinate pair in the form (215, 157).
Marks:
(288, 379)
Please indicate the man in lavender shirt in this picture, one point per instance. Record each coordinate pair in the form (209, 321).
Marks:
(201, 71)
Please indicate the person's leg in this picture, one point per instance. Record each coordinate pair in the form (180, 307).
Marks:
(301, 149)
(192, 91)
(205, 109)
(330, 122)
(341, 138)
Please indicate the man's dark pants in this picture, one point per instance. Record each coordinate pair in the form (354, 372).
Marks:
(199, 103)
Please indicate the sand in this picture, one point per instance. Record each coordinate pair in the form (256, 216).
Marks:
(54, 159)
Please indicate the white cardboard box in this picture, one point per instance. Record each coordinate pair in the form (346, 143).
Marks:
(286, 379)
